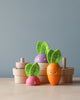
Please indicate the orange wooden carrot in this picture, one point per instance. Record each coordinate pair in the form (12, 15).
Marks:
(54, 69)
(54, 73)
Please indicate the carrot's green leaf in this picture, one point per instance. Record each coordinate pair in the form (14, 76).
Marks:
(56, 56)
(49, 54)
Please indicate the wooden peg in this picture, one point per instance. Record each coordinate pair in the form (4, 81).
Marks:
(64, 63)
(22, 60)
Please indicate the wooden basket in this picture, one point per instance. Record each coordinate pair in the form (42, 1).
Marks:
(67, 73)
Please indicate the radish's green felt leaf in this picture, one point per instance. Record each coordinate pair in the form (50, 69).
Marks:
(35, 69)
(44, 48)
(27, 69)
(56, 56)
(49, 54)
(38, 47)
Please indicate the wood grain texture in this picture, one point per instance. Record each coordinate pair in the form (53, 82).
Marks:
(43, 79)
(19, 75)
(11, 91)
(66, 73)
(43, 72)
(21, 64)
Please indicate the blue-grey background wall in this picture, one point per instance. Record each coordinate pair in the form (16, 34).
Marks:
(24, 22)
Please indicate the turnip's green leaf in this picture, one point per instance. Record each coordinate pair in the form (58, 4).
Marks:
(27, 69)
(47, 51)
(49, 54)
(44, 48)
(35, 69)
(38, 47)
(56, 56)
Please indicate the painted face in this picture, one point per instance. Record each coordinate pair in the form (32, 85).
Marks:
(53, 69)
(41, 58)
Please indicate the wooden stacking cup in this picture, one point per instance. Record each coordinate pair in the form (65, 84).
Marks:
(43, 73)
(19, 75)
(67, 73)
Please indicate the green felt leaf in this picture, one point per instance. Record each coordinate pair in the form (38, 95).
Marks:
(49, 54)
(56, 56)
(44, 48)
(27, 69)
(35, 69)
(38, 47)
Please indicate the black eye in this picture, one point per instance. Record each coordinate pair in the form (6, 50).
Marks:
(55, 73)
(49, 72)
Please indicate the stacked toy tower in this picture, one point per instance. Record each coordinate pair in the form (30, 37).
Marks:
(19, 72)
(41, 59)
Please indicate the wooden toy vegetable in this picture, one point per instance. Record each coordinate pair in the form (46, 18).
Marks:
(54, 69)
(41, 59)
(42, 49)
(32, 71)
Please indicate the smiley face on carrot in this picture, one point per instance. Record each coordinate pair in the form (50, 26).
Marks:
(54, 69)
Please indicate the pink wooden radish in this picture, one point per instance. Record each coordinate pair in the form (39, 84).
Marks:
(32, 71)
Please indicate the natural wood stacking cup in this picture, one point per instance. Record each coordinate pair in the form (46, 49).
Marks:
(19, 75)
(19, 72)
(67, 73)
(43, 73)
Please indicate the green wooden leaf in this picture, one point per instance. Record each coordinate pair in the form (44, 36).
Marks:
(38, 47)
(44, 48)
(27, 69)
(56, 56)
(49, 54)
(35, 69)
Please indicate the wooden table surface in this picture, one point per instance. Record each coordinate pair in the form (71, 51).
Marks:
(11, 91)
